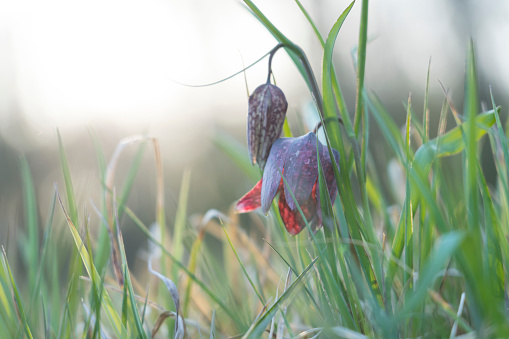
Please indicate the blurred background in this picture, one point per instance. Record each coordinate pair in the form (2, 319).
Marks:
(100, 71)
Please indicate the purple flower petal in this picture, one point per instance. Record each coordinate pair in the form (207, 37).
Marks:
(250, 201)
(293, 219)
(273, 170)
(330, 180)
(301, 169)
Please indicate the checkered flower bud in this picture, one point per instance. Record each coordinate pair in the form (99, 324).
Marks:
(267, 110)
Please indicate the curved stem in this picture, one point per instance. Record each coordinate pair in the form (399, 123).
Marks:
(271, 55)
(328, 119)
(315, 91)
(311, 80)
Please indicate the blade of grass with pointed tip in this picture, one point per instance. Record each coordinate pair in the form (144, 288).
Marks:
(471, 109)
(425, 111)
(335, 83)
(73, 211)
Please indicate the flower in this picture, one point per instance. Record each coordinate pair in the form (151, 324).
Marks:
(296, 159)
(266, 115)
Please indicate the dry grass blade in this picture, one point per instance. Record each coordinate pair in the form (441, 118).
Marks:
(109, 179)
(109, 183)
(460, 310)
(160, 320)
(172, 288)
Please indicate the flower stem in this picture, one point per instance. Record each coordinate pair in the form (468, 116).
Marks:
(328, 119)
(311, 80)
(271, 55)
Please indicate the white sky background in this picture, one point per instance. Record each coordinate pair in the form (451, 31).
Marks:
(73, 64)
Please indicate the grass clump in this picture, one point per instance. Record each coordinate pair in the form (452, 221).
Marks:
(436, 269)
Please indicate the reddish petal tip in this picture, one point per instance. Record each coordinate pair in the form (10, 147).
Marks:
(250, 201)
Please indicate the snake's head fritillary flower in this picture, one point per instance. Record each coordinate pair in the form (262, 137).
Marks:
(266, 115)
(296, 159)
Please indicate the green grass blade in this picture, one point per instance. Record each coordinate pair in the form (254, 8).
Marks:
(329, 227)
(75, 267)
(17, 297)
(471, 109)
(334, 135)
(111, 313)
(180, 221)
(493, 266)
(44, 252)
(408, 279)
(32, 227)
(202, 285)
(132, 300)
(425, 111)
(281, 38)
(361, 65)
(443, 250)
(6, 306)
(237, 153)
(259, 327)
(332, 95)
(308, 17)
(262, 300)
(451, 143)
(131, 175)
(73, 211)
(103, 247)
(330, 117)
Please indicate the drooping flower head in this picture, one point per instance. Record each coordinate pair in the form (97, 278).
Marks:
(296, 159)
(266, 115)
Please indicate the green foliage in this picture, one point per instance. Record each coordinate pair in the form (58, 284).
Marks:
(436, 269)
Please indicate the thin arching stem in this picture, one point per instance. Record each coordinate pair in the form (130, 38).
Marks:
(271, 55)
(315, 91)
(328, 119)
